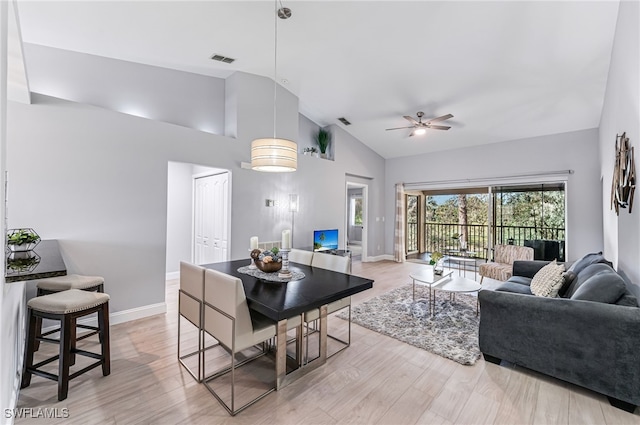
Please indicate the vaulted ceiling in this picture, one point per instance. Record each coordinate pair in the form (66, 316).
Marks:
(505, 70)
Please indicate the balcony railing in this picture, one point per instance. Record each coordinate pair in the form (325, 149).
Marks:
(439, 236)
(412, 237)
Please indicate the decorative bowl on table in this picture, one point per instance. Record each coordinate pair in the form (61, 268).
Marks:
(269, 261)
(269, 267)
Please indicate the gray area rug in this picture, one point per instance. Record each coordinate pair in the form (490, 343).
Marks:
(451, 333)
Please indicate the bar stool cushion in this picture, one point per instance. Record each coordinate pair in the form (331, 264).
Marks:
(70, 301)
(71, 281)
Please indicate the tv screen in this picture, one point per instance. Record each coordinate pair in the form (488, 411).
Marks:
(325, 239)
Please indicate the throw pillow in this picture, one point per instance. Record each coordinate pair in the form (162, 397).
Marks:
(548, 280)
(588, 259)
(603, 287)
(568, 276)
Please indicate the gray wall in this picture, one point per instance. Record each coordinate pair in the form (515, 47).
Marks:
(161, 94)
(621, 113)
(577, 151)
(97, 180)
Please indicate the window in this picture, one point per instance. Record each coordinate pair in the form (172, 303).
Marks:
(356, 211)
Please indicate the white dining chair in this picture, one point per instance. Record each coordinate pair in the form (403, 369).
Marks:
(338, 264)
(300, 256)
(228, 320)
(190, 307)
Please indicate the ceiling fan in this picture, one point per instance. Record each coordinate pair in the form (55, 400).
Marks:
(419, 127)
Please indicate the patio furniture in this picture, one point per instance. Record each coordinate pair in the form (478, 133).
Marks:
(501, 268)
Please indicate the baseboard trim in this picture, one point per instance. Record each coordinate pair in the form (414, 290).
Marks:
(122, 316)
(372, 259)
(173, 275)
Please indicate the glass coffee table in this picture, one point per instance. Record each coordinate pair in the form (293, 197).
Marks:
(429, 279)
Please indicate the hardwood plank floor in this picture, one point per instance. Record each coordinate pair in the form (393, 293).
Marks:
(378, 380)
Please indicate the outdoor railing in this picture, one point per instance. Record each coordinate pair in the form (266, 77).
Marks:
(412, 237)
(440, 237)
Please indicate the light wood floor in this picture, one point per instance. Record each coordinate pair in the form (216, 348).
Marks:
(377, 380)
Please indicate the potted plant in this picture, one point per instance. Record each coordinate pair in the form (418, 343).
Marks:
(323, 138)
(434, 260)
(22, 239)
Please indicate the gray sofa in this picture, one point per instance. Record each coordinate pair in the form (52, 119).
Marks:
(588, 336)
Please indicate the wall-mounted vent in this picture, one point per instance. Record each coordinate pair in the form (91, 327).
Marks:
(221, 58)
(344, 121)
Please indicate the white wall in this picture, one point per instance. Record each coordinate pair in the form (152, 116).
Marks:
(576, 151)
(179, 214)
(161, 94)
(621, 113)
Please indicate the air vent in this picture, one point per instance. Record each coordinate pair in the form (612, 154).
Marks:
(221, 58)
(344, 121)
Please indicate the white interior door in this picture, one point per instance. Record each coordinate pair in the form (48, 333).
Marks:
(211, 194)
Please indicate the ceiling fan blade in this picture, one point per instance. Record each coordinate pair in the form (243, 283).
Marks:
(408, 118)
(398, 128)
(439, 127)
(412, 133)
(442, 118)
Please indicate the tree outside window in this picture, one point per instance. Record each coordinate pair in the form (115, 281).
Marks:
(356, 211)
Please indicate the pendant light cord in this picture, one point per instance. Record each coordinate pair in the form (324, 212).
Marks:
(275, 68)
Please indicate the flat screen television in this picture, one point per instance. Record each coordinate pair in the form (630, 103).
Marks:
(325, 239)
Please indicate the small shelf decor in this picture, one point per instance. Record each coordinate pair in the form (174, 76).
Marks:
(20, 240)
(623, 184)
(323, 139)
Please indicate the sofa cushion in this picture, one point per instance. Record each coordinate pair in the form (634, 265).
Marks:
(520, 280)
(604, 287)
(588, 259)
(511, 286)
(586, 273)
(548, 280)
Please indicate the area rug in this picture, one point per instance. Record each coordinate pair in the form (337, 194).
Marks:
(452, 332)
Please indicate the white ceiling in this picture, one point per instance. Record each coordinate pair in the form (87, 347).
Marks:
(505, 70)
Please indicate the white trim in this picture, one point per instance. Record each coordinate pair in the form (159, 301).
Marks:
(382, 257)
(365, 216)
(551, 176)
(173, 275)
(122, 316)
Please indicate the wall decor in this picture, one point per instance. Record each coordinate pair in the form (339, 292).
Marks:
(624, 175)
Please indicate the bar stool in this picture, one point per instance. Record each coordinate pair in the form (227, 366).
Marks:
(66, 307)
(51, 285)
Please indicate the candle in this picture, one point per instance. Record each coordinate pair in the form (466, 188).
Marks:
(286, 239)
(254, 242)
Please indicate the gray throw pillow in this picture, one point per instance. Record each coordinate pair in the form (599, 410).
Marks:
(604, 287)
(569, 276)
(588, 259)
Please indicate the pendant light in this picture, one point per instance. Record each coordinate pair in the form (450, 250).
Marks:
(274, 154)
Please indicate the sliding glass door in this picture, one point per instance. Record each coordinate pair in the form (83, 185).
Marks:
(531, 215)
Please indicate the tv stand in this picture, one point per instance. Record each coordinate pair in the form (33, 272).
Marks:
(339, 252)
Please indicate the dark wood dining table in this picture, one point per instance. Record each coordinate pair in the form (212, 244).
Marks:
(281, 301)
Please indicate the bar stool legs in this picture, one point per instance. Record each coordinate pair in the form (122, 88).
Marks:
(66, 307)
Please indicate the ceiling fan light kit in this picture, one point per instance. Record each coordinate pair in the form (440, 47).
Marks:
(420, 127)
